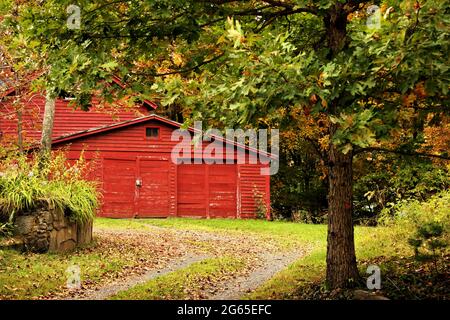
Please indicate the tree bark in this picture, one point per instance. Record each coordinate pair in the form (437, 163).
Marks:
(19, 130)
(47, 128)
(341, 258)
(19, 115)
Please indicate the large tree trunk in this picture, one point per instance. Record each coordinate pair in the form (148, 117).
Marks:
(47, 128)
(341, 259)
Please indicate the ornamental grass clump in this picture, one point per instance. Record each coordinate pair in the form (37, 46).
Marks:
(26, 185)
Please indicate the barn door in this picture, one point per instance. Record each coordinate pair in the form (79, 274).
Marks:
(119, 194)
(153, 188)
(207, 190)
(192, 195)
(222, 190)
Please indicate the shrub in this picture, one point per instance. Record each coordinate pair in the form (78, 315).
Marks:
(24, 186)
(6, 229)
(260, 204)
(414, 213)
(380, 183)
(427, 223)
(429, 242)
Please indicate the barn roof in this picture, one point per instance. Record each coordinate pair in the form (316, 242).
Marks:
(98, 130)
(67, 137)
(7, 87)
(68, 119)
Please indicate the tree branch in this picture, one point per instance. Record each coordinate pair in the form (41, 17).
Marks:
(317, 149)
(179, 71)
(404, 153)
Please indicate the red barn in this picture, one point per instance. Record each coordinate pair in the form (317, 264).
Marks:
(134, 163)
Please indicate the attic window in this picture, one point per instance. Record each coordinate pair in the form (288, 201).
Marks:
(152, 133)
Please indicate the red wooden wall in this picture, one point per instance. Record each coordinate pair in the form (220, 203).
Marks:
(194, 190)
(125, 155)
(67, 119)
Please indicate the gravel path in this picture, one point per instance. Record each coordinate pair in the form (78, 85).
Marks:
(107, 291)
(263, 259)
(235, 289)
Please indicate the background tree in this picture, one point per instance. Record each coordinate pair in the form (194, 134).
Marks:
(55, 64)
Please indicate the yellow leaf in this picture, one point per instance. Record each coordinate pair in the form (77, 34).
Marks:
(221, 40)
(346, 148)
(177, 59)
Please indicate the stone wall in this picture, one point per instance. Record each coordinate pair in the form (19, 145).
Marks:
(49, 230)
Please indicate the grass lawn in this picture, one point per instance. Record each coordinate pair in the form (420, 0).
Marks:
(31, 276)
(285, 233)
(295, 281)
(187, 283)
(304, 278)
(28, 276)
(25, 276)
(387, 247)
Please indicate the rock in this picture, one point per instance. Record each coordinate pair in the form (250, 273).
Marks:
(367, 295)
(25, 224)
(61, 236)
(47, 217)
(67, 245)
(59, 220)
(42, 245)
(84, 233)
(12, 243)
(53, 245)
(48, 229)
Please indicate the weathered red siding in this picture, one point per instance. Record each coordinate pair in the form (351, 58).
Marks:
(123, 156)
(253, 186)
(119, 176)
(208, 190)
(153, 199)
(192, 199)
(202, 190)
(67, 119)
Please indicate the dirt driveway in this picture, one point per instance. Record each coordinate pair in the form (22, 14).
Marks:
(157, 251)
